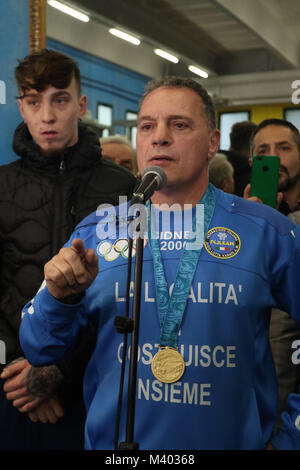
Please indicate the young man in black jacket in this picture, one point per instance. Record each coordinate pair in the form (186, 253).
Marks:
(59, 179)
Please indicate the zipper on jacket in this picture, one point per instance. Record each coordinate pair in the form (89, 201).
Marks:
(73, 214)
(57, 236)
(62, 167)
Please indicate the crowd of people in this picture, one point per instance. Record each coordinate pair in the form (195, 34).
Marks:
(219, 320)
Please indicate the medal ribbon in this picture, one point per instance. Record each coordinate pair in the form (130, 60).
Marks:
(171, 309)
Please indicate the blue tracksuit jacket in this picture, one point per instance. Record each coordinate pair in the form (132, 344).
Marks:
(227, 397)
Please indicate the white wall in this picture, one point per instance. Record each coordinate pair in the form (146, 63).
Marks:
(255, 88)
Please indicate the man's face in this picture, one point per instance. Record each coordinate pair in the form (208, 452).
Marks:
(279, 140)
(173, 133)
(120, 154)
(52, 116)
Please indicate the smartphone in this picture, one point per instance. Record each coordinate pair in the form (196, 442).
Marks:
(264, 178)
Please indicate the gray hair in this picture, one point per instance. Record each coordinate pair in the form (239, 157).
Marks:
(181, 82)
(117, 139)
(219, 169)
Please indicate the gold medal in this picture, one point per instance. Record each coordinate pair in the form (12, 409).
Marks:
(168, 365)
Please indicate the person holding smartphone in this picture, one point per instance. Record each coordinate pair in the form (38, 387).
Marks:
(282, 138)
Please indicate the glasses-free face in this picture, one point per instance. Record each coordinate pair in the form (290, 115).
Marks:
(52, 116)
(173, 133)
(279, 140)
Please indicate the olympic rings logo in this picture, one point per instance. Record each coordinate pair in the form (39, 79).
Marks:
(112, 251)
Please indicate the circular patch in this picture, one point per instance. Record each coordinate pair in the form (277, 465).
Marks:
(222, 242)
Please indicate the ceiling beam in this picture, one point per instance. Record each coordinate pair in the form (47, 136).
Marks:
(161, 24)
(257, 18)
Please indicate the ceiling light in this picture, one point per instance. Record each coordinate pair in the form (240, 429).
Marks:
(68, 10)
(127, 37)
(166, 55)
(198, 71)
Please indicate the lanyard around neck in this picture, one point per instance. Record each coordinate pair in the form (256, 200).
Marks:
(171, 308)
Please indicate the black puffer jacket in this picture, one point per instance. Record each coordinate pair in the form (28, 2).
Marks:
(41, 201)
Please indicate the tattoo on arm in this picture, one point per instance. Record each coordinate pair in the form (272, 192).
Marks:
(42, 382)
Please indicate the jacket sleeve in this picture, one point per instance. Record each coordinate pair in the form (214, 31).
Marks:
(9, 320)
(74, 365)
(287, 293)
(49, 328)
(288, 436)
(52, 332)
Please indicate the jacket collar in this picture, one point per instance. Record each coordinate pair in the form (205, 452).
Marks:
(83, 154)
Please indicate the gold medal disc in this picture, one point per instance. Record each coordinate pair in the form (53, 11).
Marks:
(168, 365)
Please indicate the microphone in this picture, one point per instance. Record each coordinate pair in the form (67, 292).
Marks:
(153, 178)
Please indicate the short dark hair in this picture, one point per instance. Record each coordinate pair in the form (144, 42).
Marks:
(44, 68)
(181, 82)
(276, 122)
(240, 134)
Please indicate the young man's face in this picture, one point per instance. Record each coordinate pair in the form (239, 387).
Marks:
(279, 140)
(173, 133)
(52, 116)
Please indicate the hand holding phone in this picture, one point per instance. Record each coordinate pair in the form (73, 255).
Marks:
(264, 178)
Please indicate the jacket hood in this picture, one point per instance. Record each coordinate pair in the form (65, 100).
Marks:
(86, 151)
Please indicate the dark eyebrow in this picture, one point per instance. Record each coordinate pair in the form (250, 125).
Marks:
(28, 95)
(262, 145)
(179, 116)
(170, 118)
(37, 94)
(60, 93)
(276, 143)
(144, 118)
(283, 142)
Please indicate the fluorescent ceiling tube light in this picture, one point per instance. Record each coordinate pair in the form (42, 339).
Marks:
(198, 71)
(127, 37)
(166, 55)
(68, 10)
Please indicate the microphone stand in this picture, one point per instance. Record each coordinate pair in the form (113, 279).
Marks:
(126, 325)
(152, 179)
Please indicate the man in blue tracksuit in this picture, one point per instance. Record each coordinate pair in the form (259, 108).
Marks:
(205, 377)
